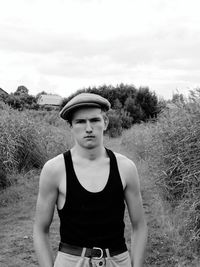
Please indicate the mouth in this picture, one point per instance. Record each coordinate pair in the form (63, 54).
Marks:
(89, 137)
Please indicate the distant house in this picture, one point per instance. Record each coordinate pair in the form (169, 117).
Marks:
(50, 100)
(3, 93)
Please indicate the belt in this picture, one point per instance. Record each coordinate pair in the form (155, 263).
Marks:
(95, 252)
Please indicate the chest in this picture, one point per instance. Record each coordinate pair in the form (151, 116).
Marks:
(93, 176)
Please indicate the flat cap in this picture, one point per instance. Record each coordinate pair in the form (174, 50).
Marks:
(84, 100)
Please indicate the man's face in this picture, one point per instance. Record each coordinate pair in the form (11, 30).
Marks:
(88, 125)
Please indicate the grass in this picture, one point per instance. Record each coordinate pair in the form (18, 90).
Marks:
(170, 147)
(21, 145)
(28, 140)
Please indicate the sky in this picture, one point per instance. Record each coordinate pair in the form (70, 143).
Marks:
(61, 46)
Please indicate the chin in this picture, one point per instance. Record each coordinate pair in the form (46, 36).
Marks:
(90, 145)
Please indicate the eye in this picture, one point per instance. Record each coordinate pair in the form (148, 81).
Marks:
(95, 120)
(80, 121)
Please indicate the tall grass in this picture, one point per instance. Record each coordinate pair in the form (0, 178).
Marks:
(53, 129)
(28, 140)
(21, 146)
(171, 146)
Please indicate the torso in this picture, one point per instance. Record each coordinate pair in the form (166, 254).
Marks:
(85, 171)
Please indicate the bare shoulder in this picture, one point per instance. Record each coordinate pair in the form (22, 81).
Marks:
(127, 169)
(125, 163)
(52, 170)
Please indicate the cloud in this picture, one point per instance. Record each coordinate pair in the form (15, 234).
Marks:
(79, 43)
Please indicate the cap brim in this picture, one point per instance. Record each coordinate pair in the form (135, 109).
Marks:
(66, 112)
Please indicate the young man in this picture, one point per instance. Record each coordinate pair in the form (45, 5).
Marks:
(89, 185)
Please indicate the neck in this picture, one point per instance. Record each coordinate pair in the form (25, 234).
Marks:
(90, 154)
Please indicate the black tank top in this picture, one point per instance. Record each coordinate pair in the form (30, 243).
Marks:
(93, 219)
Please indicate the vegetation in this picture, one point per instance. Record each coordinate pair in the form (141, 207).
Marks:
(165, 148)
(171, 148)
(21, 144)
(28, 139)
(21, 99)
(129, 105)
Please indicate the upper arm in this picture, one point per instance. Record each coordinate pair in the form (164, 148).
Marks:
(133, 195)
(47, 197)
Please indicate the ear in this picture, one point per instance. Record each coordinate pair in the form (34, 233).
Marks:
(106, 122)
(69, 123)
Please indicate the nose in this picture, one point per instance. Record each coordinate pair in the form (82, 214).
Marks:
(88, 127)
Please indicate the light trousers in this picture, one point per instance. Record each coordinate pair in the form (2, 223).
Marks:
(67, 260)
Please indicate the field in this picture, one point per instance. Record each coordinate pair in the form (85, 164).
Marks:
(171, 207)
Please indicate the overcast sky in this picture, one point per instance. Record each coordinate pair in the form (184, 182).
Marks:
(61, 46)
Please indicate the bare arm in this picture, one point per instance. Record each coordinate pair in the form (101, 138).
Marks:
(136, 213)
(44, 214)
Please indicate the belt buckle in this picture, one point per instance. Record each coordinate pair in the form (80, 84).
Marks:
(101, 256)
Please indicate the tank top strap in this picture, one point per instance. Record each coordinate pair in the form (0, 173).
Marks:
(69, 169)
(68, 161)
(113, 162)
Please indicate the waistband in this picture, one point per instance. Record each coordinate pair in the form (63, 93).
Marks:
(95, 252)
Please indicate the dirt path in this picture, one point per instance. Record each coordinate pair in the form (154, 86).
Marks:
(16, 221)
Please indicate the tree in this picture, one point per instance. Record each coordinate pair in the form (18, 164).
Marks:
(126, 119)
(134, 109)
(21, 99)
(117, 105)
(148, 101)
(21, 90)
(14, 101)
(114, 128)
